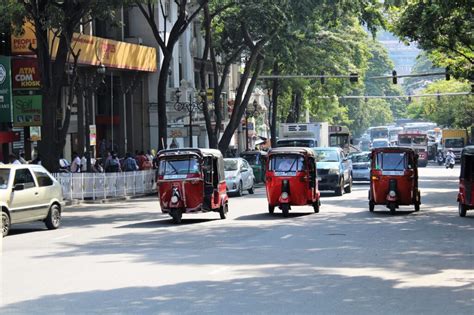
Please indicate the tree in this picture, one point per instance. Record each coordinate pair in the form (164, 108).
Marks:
(422, 65)
(61, 19)
(443, 28)
(448, 111)
(186, 13)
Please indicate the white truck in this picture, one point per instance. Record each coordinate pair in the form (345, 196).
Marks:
(304, 135)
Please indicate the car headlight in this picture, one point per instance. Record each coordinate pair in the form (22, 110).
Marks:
(284, 195)
(334, 171)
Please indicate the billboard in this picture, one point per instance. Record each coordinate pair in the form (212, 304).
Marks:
(21, 43)
(27, 110)
(25, 74)
(5, 90)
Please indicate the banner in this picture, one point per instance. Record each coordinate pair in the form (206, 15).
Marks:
(25, 74)
(5, 90)
(21, 44)
(27, 110)
(92, 135)
(35, 133)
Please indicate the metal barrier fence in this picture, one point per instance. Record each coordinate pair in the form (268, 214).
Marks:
(93, 186)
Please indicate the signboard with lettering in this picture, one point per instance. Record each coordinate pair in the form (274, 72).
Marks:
(93, 135)
(21, 43)
(27, 110)
(5, 90)
(25, 74)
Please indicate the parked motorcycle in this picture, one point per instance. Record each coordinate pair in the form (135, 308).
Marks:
(449, 162)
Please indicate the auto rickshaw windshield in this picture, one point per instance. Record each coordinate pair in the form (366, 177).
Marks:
(4, 175)
(287, 163)
(392, 161)
(179, 166)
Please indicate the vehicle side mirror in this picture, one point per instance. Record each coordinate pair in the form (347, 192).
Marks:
(19, 187)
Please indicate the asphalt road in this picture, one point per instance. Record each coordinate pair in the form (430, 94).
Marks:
(128, 258)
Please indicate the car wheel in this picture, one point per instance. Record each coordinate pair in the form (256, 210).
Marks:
(5, 223)
(340, 190)
(223, 211)
(251, 190)
(285, 208)
(239, 190)
(271, 209)
(316, 206)
(177, 215)
(371, 206)
(53, 220)
(462, 210)
(348, 189)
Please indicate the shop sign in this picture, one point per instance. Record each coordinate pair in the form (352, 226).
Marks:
(5, 90)
(27, 110)
(92, 135)
(21, 43)
(35, 133)
(25, 74)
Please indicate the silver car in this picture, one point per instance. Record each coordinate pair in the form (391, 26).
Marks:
(238, 176)
(29, 193)
(360, 166)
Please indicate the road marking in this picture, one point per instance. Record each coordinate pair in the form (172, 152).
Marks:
(218, 270)
(286, 236)
(62, 237)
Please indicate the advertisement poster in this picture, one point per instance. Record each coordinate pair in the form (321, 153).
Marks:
(93, 134)
(5, 90)
(35, 133)
(27, 110)
(25, 74)
(21, 43)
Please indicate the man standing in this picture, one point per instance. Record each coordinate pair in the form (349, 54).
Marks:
(76, 163)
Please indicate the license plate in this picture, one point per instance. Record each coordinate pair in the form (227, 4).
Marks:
(285, 173)
(175, 176)
(393, 173)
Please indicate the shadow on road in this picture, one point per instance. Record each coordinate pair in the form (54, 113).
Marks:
(278, 215)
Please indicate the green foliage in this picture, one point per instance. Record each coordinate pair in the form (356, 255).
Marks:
(449, 111)
(443, 28)
(422, 65)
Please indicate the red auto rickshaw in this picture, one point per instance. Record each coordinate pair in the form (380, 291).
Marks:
(394, 178)
(191, 181)
(291, 179)
(466, 180)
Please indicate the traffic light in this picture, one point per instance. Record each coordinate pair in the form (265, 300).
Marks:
(394, 77)
(447, 74)
(354, 77)
(322, 77)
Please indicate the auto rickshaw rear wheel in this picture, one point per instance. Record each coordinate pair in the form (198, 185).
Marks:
(417, 201)
(371, 206)
(177, 215)
(223, 211)
(462, 209)
(271, 209)
(285, 209)
(316, 206)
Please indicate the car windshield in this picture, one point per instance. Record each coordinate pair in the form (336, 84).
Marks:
(391, 161)
(4, 175)
(296, 143)
(231, 165)
(455, 143)
(251, 158)
(326, 156)
(286, 163)
(360, 158)
(179, 167)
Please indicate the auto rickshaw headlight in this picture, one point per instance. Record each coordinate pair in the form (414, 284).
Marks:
(174, 199)
(392, 193)
(284, 195)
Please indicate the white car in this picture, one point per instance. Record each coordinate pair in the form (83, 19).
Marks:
(380, 143)
(29, 193)
(360, 166)
(238, 176)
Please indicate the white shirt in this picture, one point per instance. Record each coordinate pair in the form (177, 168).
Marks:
(75, 165)
(16, 162)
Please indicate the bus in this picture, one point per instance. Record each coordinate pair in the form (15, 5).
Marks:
(418, 142)
(380, 132)
(422, 127)
(393, 134)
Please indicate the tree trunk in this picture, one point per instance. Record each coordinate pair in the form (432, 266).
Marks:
(162, 88)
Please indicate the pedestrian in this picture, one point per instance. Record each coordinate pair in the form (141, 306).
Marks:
(112, 164)
(76, 163)
(97, 167)
(22, 158)
(141, 158)
(130, 164)
(13, 159)
(37, 160)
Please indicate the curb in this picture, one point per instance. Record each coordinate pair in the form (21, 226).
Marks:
(107, 200)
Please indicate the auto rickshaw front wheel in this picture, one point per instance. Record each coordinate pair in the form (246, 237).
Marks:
(392, 208)
(285, 208)
(177, 215)
(462, 209)
(271, 209)
(371, 206)
(316, 206)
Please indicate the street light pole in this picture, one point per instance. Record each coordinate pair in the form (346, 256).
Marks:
(191, 107)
